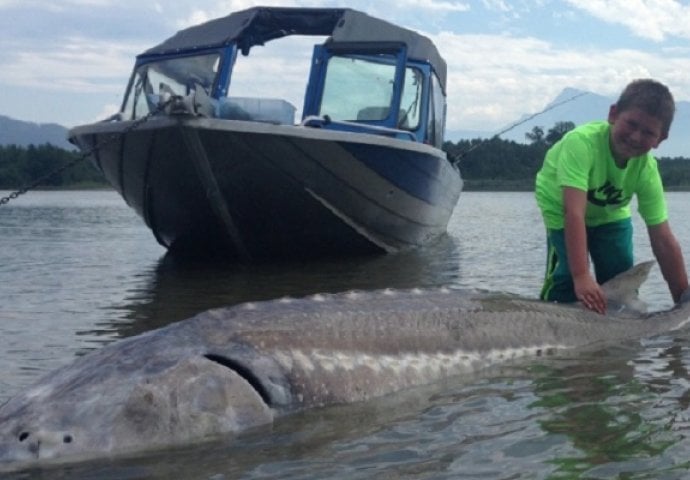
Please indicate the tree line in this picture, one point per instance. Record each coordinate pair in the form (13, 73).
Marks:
(505, 164)
(484, 163)
(22, 166)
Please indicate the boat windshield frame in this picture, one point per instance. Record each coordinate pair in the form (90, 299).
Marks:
(176, 74)
(363, 87)
(368, 62)
(392, 96)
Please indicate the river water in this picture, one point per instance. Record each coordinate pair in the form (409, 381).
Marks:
(79, 270)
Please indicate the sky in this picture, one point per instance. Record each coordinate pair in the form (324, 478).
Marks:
(68, 61)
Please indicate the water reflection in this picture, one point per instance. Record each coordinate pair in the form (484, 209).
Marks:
(609, 409)
(82, 262)
(179, 289)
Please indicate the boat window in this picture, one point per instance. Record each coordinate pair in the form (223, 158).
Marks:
(410, 102)
(177, 76)
(358, 88)
(437, 114)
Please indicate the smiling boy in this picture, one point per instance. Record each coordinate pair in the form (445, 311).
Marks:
(584, 189)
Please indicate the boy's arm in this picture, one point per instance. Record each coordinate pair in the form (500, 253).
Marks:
(587, 290)
(670, 258)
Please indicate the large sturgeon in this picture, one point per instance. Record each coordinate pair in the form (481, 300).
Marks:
(230, 369)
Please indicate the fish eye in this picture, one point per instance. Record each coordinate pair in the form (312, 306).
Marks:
(67, 439)
(23, 436)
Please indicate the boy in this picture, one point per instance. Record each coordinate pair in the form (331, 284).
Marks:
(584, 190)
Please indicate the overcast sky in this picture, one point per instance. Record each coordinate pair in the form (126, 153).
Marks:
(68, 61)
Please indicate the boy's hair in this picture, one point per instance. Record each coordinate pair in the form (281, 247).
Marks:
(652, 97)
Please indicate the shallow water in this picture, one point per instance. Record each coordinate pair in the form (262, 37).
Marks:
(79, 269)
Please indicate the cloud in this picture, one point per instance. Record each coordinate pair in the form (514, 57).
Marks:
(225, 7)
(76, 65)
(497, 5)
(493, 80)
(652, 19)
(54, 6)
(435, 5)
(108, 110)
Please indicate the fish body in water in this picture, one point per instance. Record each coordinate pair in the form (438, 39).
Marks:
(230, 369)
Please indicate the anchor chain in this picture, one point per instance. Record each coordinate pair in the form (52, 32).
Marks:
(107, 141)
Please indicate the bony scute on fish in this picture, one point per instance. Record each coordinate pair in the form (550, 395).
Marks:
(231, 369)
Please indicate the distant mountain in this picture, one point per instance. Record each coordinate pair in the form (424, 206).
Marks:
(579, 106)
(571, 105)
(18, 132)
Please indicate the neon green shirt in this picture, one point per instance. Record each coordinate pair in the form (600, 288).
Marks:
(582, 159)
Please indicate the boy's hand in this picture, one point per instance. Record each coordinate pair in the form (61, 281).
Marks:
(588, 291)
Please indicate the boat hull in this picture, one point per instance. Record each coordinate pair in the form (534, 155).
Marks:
(251, 191)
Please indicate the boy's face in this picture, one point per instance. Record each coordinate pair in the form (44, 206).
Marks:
(634, 132)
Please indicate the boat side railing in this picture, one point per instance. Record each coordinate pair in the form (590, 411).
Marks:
(320, 122)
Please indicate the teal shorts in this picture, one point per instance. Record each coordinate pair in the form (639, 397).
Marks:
(610, 249)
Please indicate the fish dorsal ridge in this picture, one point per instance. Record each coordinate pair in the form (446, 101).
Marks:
(622, 290)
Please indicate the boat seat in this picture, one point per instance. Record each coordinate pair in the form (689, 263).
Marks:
(230, 110)
(271, 110)
(373, 113)
(380, 113)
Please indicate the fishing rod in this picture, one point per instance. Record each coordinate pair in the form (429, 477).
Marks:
(456, 159)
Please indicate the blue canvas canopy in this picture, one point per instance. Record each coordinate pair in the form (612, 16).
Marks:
(258, 25)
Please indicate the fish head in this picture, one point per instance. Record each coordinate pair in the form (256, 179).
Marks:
(41, 424)
(75, 415)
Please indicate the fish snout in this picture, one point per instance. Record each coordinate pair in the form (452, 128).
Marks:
(35, 444)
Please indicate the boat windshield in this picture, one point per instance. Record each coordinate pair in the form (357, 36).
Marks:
(362, 88)
(177, 76)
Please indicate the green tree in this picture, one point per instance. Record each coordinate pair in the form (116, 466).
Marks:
(536, 135)
(556, 132)
(499, 164)
(22, 166)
